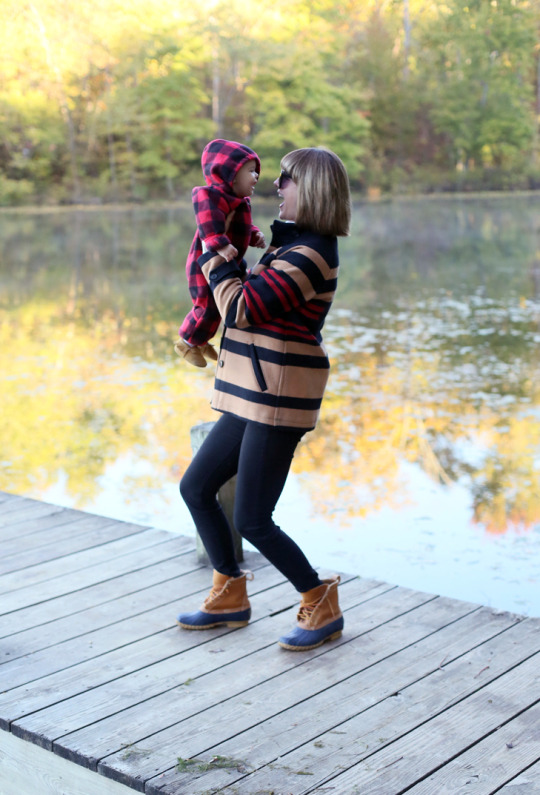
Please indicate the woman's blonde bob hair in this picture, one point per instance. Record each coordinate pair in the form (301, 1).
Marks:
(323, 198)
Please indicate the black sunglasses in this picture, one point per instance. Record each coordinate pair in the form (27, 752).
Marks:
(283, 177)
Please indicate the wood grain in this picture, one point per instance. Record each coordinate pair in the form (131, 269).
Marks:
(101, 693)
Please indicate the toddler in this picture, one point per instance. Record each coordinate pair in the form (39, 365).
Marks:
(223, 214)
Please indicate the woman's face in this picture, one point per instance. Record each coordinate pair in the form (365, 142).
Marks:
(288, 191)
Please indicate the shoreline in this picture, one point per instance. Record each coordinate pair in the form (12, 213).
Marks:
(185, 202)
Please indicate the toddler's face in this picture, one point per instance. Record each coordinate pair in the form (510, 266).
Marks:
(246, 179)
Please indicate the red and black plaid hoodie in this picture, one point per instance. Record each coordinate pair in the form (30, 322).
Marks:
(213, 203)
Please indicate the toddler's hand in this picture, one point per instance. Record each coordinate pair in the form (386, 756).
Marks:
(259, 240)
(228, 253)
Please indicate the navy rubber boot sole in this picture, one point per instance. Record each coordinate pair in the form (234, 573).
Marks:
(305, 639)
(202, 620)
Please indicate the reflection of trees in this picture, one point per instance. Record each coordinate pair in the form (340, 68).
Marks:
(76, 398)
(506, 488)
(437, 364)
(91, 299)
(407, 397)
(73, 401)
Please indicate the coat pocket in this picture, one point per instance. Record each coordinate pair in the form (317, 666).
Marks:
(259, 375)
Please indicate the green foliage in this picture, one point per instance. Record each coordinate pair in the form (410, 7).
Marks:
(15, 191)
(114, 99)
(482, 92)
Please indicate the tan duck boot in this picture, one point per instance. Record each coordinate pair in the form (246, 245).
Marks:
(319, 618)
(227, 604)
(191, 353)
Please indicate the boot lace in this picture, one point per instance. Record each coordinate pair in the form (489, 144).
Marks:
(214, 593)
(306, 611)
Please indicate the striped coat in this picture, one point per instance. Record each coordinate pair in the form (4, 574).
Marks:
(272, 366)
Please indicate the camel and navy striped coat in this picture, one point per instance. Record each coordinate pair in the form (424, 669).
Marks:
(273, 366)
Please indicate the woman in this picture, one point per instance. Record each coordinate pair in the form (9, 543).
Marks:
(270, 380)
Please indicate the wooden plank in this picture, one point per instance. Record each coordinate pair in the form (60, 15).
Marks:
(54, 529)
(7, 497)
(33, 531)
(103, 532)
(82, 560)
(166, 664)
(11, 501)
(117, 663)
(87, 645)
(28, 770)
(527, 783)
(330, 731)
(419, 694)
(490, 763)
(56, 631)
(106, 569)
(17, 519)
(254, 683)
(389, 700)
(12, 510)
(423, 750)
(96, 594)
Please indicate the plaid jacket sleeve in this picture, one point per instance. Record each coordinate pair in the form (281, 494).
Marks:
(211, 210)
(254, 232)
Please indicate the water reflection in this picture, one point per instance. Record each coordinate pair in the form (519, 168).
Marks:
(431, 410)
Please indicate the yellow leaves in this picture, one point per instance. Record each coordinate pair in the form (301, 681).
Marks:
(157, 68)
(74, 402)
(375, 418)
(86, 387)
(507, 487)
(162, 328)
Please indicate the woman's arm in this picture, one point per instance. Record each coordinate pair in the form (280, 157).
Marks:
(297, 276)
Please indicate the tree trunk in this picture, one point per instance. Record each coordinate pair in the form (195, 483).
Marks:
(535, 153)
(217, 115)
(62, 100)
(407, 36)
(110, 138)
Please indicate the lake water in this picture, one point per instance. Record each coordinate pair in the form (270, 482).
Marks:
(425, 467)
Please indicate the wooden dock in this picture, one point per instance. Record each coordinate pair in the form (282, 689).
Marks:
(102, 694)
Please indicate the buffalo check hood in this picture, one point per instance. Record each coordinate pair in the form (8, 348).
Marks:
(221, 160)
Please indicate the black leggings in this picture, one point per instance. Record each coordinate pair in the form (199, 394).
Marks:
(260, 456)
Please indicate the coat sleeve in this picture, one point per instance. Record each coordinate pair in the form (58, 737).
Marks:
(211, 211)
(291, 280)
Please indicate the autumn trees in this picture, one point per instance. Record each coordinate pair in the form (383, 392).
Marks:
(113, 99)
